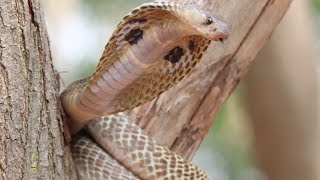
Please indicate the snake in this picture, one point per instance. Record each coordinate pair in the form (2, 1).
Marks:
(152, 49)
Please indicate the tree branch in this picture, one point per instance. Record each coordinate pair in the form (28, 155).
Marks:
(181, 117)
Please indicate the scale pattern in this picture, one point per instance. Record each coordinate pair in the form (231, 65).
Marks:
(142, 17)
(94, 163)
(167, 74)
(161, 77)
(141, 154)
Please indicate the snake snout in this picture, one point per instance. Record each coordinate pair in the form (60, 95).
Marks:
(219, 36)
(222, 36)
(226, 28)
(221, 31)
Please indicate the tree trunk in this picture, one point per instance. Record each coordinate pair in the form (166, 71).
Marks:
(32, 140)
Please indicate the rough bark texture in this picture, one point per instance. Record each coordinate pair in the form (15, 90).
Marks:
(282, 100)
(32, 144)
(181, 117)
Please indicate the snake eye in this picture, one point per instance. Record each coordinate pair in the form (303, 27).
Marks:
(209, 20)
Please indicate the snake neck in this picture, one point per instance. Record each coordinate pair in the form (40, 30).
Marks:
(102, 97)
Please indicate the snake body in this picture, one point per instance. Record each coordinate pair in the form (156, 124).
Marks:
(152, 49)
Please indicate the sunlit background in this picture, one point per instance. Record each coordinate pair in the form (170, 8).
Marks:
(79, 30)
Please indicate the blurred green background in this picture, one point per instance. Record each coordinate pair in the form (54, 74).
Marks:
(222, 155)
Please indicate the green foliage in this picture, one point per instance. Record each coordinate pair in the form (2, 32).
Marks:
(316, 5)
(238, 159)
(86, 68)
(109, 7)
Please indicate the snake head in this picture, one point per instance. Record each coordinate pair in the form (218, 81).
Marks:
(206, 23)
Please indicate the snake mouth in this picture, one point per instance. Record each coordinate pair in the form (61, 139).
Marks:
(220, 38)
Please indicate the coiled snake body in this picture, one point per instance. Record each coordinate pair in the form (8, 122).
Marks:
(152, 49)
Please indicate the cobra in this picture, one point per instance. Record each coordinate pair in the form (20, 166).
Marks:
(152, 48)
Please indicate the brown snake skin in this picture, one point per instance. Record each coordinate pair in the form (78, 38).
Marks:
(152, 48)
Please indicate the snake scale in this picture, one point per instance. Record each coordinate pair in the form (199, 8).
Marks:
(152, 48)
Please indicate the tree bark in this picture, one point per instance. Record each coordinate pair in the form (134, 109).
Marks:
(181, 117)
(33, 143)
(32, 140)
